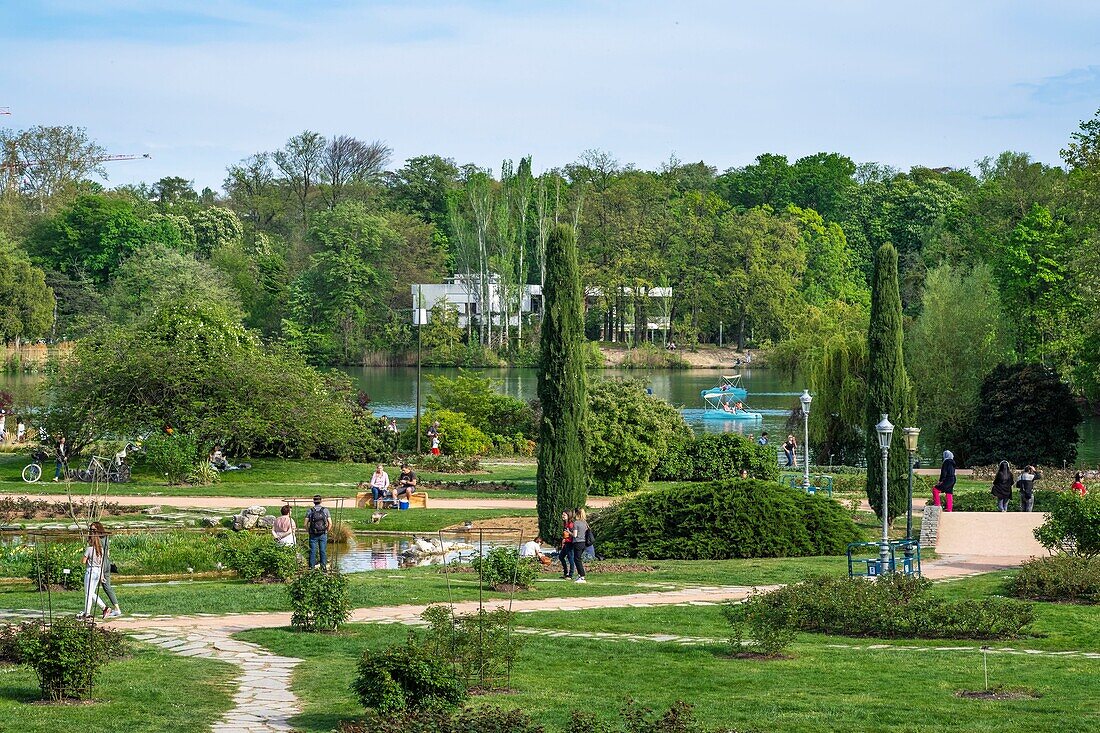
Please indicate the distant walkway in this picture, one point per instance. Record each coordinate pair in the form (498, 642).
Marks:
(237, 502)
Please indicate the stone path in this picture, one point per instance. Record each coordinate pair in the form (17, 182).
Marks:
(263, 702)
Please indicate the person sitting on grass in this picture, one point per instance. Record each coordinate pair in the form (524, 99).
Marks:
(533, 548)
(217, 459)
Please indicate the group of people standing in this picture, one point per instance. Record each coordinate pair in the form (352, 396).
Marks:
(1003, 483)
(576, 539)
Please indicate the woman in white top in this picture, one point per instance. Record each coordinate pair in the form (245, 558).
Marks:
(283, 529)
(379, 484)
(93, 562)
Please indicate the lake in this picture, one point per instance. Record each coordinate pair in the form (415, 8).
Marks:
(393, 393)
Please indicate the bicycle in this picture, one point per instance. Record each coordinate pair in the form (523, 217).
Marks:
(33, 471)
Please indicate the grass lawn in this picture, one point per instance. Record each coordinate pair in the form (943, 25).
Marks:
(820, 688)
(430, 585)
(152, 691)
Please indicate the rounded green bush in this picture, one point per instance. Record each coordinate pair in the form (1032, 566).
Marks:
(406, 677)
(724, 519)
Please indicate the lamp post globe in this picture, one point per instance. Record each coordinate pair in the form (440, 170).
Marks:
(806, 398)
(885, 431)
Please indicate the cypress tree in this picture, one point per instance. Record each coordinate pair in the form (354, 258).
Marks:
(561, 482)
(888, 388)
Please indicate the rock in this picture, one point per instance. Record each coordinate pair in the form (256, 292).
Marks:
(255, 510)
(244, 521)
(153, 510)
(210, 521)
(266, 522)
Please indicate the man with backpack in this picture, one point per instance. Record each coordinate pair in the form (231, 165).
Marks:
(318, 524)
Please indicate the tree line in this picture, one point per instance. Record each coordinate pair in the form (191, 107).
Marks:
(315, 245)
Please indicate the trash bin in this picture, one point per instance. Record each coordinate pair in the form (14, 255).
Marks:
(402, 505)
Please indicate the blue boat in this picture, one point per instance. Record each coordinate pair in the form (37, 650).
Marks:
(731, 386)
(724, 406)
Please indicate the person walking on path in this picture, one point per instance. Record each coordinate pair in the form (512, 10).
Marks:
(61, 460)
(379, 485)
(105, 571)
(93, 573)
(946, 484)
(1078, 485)
(565, 552)
(1002, 486)
(283, 528)
(318, 523)
(1026, 485)
(579, 534)
(790, 450)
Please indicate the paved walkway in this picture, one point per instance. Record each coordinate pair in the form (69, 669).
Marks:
(239, 502)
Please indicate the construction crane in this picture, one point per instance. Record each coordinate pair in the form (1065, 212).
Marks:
(16, 168)
(5, 111)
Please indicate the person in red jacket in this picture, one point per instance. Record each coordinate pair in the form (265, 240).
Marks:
(1078, 487)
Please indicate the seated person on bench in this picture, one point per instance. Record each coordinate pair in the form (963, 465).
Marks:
(406, 484)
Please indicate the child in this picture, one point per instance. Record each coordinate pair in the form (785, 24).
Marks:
(1078, 487)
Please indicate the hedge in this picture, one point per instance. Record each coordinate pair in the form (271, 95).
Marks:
(711, 457)
(724, 519)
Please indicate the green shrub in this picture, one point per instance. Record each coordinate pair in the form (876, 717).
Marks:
(983, 501)
(1073, 525)
(50, 561)
(255, 556)
(502, 566)
(894, 606)
(203, 474)
(447, 464)
(476, 720)
(769, 630)
(457, 436)
(66, 655)
(9, 644)
(171, 456)
(476, 397)
(626, 432)
(1066, 578)
(320, 601)
(406, 677)
(711, 457)
(724, 519)
(164, 552)
(481, 647)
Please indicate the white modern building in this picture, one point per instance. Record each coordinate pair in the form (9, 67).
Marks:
(464, 296)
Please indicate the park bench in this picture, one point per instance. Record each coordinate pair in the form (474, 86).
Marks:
(419, 500)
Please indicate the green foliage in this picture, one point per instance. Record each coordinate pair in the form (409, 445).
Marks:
(1028, 417)
(477, 398)
(502, 566)
(203, 474)
(67, 655)
(767, 626)
(892, 607)
(888, 389)
(448, 464)
(1062, 578)
(406, 677)
(1073, 525)
(320, 601)
(711, 457)
(97, 232)
(457, 437)
(171, 456)
(157, 274)
(724, 519)
(215, 227)
(26, 302)
(255, 556)
(481, 647)
(470, 720)
(561, 482)
(193, 367)
(626, 432)
(960, 335)
(49, 563)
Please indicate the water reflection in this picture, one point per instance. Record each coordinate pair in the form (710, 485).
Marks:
(393, 552)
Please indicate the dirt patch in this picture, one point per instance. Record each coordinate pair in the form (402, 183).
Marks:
(999, 693)
(757, 657)
(528, 526)
(609, 566)
(485, 486)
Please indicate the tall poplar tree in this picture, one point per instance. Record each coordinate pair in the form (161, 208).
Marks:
(562, 390)
(887, 384)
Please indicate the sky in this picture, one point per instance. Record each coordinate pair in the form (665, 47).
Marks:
(201, 85)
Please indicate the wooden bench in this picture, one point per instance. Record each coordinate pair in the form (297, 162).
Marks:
(363, 500)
